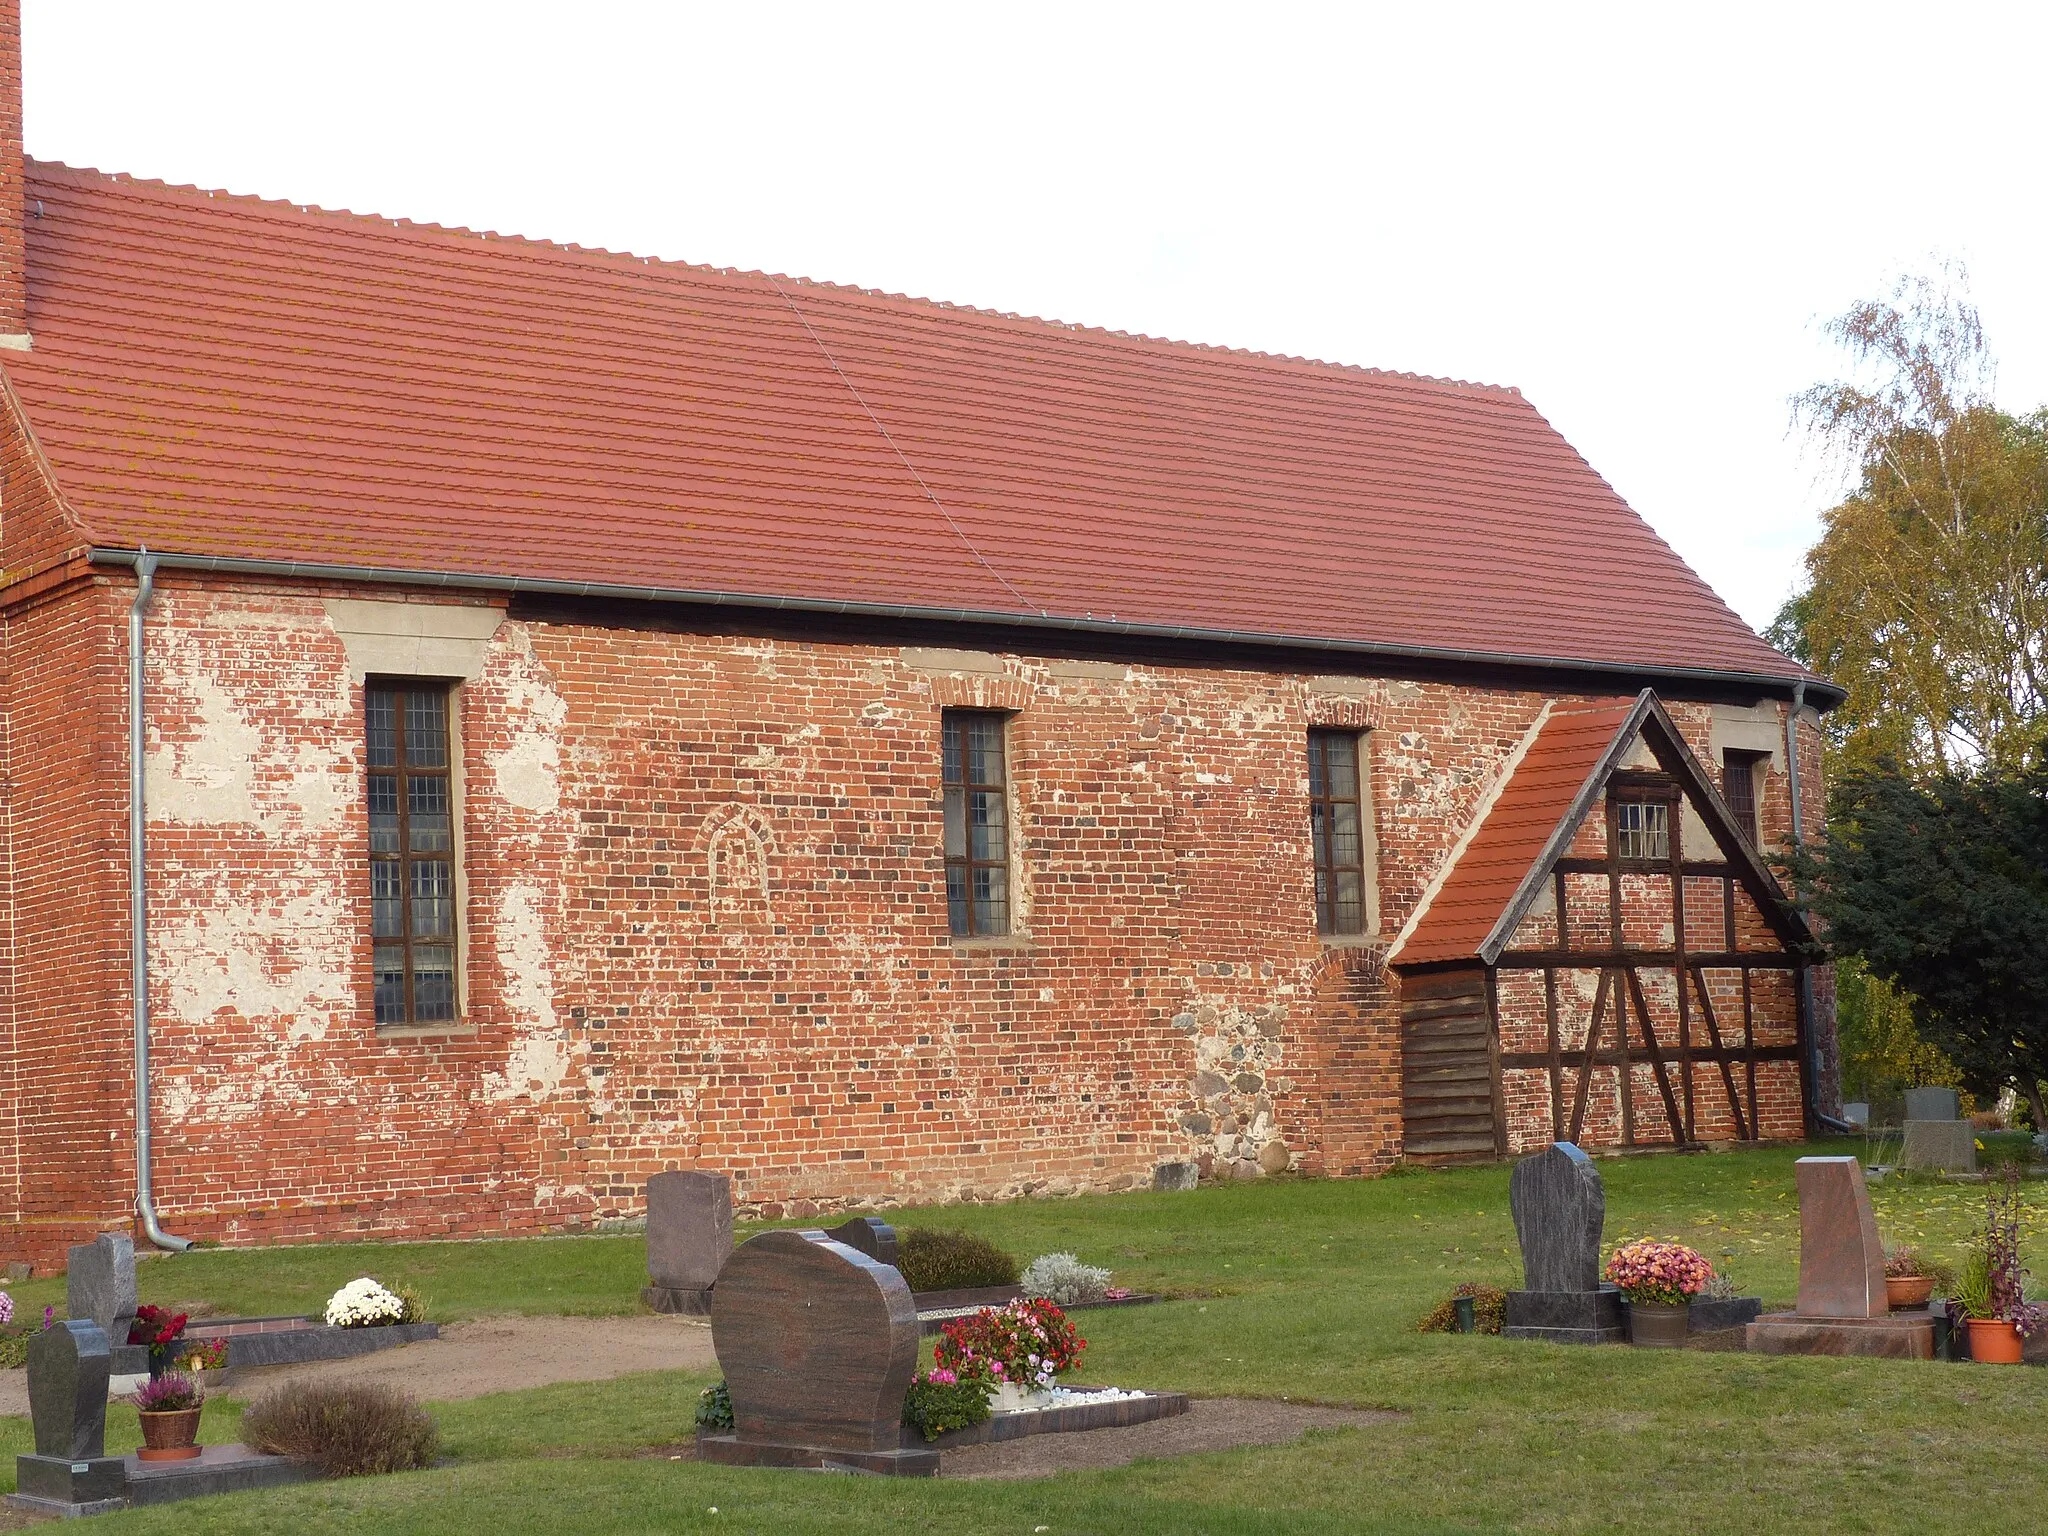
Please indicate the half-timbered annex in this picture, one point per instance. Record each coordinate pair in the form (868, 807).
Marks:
(1604, 958)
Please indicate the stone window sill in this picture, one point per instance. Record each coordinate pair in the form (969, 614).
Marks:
(1352, 940)
(1010, 941)
(454, 1031)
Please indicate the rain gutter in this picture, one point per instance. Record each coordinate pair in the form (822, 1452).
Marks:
(467, 581)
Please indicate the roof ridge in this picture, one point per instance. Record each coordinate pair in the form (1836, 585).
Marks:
(935, 306)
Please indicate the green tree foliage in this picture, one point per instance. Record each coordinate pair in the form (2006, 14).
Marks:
(1941, 887)
(1927, 594)
(1882, 1052)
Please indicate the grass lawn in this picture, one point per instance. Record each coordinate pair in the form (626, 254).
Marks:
(1302, 1289)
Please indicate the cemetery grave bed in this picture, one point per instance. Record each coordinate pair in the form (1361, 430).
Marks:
(260, 1341)
(1307, 1289)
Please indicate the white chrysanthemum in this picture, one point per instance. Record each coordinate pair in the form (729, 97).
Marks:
(363, 1303)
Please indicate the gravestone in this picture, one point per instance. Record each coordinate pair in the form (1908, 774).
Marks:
(70, 1471)
(99, 1284)
(869, 1235)
(689, 1238)
(1940, 1146)
(1559, 1208)
(1933, 1104)
(818, 1343)
(1842, 1309)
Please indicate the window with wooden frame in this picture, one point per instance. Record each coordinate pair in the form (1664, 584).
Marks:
(1337, 821)
(412, 851)
(1738, 788)
(1640, 808)
(977, 823)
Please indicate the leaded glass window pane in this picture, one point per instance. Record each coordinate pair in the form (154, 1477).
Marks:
(412, 843)
(977, 838)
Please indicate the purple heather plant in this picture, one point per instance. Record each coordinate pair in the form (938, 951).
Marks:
(173, 1392)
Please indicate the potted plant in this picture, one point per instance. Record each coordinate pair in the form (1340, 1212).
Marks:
(1012, 1353)
(1659, 1279)
(169, 1407)
(1991, 1291)
(1907, 1282)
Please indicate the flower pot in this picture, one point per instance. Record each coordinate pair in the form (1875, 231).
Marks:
(1465, 1309)
(170, 1436)
(1657, 1324)
(1995, 1341)
(1908, 1290)
(1011, 1398)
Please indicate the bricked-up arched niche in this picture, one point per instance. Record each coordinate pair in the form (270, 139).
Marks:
(736, 841)
(1604, 958)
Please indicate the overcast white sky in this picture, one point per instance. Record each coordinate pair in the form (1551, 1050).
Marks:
(1637, 214)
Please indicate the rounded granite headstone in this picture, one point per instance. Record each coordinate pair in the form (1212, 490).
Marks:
(818, 1343)
(1559, 1208)
(870, 1235)
(68, 1366)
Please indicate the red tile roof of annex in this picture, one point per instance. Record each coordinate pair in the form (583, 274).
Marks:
(224, 376)
(1491, 867)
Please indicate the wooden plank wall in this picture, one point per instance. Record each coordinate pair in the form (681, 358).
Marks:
(1448, 1108)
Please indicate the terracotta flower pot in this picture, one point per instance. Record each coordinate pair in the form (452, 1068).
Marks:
(1995, 1341)
(170, 1436)
(1657, 1324)
(1908, 1290)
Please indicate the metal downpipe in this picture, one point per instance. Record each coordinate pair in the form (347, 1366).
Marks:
(138, 912)
(1805, 972)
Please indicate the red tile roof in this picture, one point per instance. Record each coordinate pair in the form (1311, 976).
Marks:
(1457, 918)
(223, 376)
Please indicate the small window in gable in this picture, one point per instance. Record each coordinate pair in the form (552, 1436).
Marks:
(412, 852)
(1642, 831)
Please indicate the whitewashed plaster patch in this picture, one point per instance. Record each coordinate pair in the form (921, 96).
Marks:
(528, 771)
(539, 1061)
(287, 961)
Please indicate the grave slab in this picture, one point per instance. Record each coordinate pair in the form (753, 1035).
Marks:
(1566, 1317)
(1901, 1336)
(1943, 1146)
(216, 1469)
(689, 1238)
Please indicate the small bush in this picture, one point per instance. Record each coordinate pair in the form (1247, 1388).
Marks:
(933, 1259)
(413, 1303)
(1065, 1279)
(939, 1400)
(1489, 1310)
(714, 1409)
(346, 1429)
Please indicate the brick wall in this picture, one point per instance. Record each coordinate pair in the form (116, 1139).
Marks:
(816, 1033)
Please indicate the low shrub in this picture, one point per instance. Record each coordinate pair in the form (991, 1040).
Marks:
(714, 1409)
(1489, 1310)
(346, 1429)
(939, 1400)
(935, 1259)
(1065, 1279)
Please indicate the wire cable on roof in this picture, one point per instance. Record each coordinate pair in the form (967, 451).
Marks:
(819, 342)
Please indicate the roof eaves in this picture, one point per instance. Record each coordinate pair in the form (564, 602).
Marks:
(301, 570)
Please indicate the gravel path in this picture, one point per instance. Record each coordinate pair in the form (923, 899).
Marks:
(500, 1354)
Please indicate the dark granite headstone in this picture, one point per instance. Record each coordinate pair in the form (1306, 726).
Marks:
(870, 1235)
(818, 1343)
(68, 1365)
(70, 1471)
(689, 1238)
(99, 1284)
(1559, 1208)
